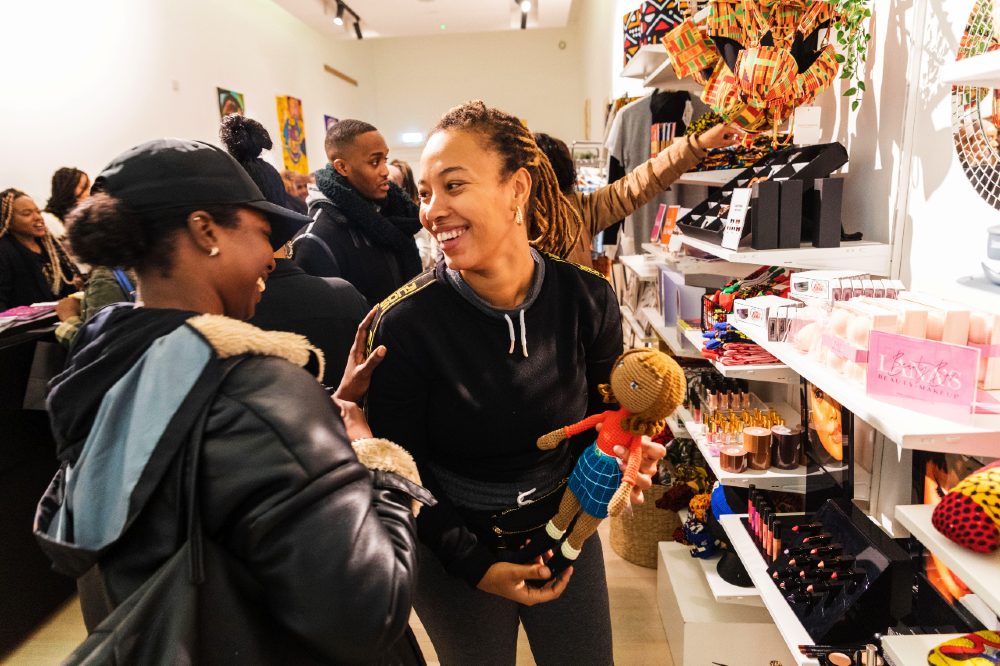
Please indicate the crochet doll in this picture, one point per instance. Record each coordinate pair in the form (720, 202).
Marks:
(649, 385)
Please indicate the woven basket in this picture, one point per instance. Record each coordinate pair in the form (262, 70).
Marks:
(634, 537)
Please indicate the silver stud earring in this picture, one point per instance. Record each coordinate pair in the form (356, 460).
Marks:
(214, 252)
(518, 216)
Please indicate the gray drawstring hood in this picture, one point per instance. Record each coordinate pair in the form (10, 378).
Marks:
(454, 278)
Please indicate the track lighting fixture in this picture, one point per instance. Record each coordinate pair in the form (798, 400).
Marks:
(342, 9)
(339, 19)
(525, 6)
(357, 29)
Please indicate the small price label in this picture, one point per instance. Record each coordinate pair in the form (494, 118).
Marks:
(736, 219)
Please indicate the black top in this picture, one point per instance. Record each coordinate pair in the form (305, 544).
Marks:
(333, 246)
(327, 311)
(453, 393)
(23, 278)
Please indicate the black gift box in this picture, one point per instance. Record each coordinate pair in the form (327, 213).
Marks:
(765, 203)
(707, 220)
(790, 218)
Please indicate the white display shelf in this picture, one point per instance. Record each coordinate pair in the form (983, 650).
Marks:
(631, 320)
(670, 335)
(788, 623)
(980, 572)
(724, 592)
(664, 77)
(789, 481)
(769, 372)
(647, 60)
(982, 71)
(686, 264)
(864, 256)
(714, 178)
(641, 265)
(908, 428)
(912, 650)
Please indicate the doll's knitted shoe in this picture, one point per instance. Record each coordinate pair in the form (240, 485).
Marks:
(544, 540)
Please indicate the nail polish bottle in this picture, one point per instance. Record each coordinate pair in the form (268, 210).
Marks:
(696, 408)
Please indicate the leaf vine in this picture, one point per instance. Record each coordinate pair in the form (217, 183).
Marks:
(853, 35)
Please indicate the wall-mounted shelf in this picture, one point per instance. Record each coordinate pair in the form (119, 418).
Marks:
(784, 617)
(912, 650)
(980, 572)
(982, 71)
(647, 60)
(858, 255)
(714, 178)
(909, 429)
(686, 264)
(768, 372)
(641, 265)
(790, 481)
(631, 320)
(669, 334)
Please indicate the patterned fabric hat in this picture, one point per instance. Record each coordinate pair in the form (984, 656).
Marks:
(690, 49)
(969, 514)
(766, 74)
(815, 14)
(721, 90)
(725, 19)
(810, 83)
(660, 17)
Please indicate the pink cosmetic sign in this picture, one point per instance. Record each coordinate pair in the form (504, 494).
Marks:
(930, 377)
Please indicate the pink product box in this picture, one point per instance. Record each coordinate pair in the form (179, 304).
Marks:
(844, 343)
(984, 334)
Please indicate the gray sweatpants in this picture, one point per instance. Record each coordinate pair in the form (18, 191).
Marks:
(471, 627)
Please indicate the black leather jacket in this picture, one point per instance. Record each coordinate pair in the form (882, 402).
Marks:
(331, 543)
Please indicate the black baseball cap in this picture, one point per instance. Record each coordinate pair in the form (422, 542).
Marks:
(178, 173)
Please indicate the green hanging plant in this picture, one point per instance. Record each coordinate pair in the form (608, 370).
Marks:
(853, 34)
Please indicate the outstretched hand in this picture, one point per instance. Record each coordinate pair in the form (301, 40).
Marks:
(551, 440)
(720, 136)
(652, 452)
(358, 372)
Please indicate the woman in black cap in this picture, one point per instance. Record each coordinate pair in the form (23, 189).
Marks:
(177, 411)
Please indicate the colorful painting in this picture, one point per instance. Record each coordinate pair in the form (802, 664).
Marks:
(329, 121)
(230, 101)
(293, 135)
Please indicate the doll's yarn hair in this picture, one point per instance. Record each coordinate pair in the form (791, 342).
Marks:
(653, 419)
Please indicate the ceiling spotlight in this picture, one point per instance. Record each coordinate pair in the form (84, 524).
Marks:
(357, 30)
(525, 6)
(339, 19)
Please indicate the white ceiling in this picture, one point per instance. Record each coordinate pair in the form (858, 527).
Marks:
(402, 18)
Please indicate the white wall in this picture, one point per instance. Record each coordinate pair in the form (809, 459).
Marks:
(945, 220)
(417, 79)
(86, 80)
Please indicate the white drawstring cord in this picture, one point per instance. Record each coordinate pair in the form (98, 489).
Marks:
(524, 334)
(510, 326)
(524, 337)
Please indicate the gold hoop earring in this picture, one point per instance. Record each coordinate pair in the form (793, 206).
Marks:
(518, 215)
(214, 252)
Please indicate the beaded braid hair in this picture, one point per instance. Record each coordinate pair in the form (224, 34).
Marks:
(61, 269)
(554, 226)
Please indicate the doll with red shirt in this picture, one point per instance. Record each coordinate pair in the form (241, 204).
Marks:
(648, 385)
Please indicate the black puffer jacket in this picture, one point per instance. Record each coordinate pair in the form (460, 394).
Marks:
(331, 545)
